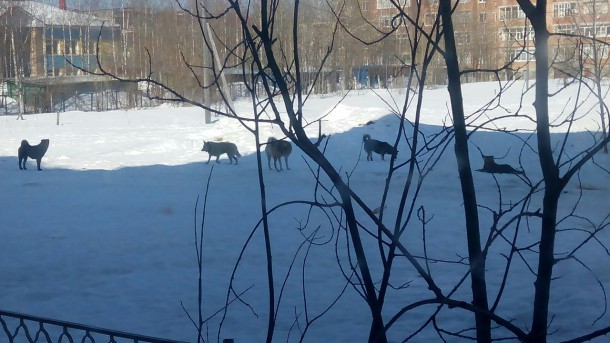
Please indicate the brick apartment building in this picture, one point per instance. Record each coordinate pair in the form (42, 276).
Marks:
(490, 33)
(44, 40)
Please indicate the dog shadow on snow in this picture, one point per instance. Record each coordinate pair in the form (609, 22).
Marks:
(345, 150)
(159, 200)
(341, 148)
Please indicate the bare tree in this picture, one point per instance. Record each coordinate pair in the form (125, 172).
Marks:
(595, 53)
(553, 181)
(16, 55)
(279, 67)
(477, 260)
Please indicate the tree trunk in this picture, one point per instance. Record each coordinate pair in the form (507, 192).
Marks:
(552, 185)
(476, 258)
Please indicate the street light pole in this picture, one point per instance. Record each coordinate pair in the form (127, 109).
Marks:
(207, 57)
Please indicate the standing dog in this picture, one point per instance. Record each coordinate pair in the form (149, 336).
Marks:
(382, 148)
(219, 148)
(277, 149)
(35, 152)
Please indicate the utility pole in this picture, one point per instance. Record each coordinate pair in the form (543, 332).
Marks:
(527, 55)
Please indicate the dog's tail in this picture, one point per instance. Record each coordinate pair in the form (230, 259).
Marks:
(237, 153)
(366, 138)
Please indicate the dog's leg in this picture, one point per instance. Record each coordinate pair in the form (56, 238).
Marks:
(275, 162)
(382, 157)
(286, 158)
(217, 157)
(25, 159)
(269, 162)
(209, 158)
(38, 163)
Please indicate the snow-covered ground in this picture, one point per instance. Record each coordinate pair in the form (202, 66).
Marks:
(104, 235)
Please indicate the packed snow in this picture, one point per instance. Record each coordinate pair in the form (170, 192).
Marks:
(105, 235)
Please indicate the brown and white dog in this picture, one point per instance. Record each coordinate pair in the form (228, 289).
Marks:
(277, 149)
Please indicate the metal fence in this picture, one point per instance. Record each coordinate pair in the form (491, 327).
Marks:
(22, 328)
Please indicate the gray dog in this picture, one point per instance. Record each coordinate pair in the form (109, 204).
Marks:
(276, 149)
(219, 148)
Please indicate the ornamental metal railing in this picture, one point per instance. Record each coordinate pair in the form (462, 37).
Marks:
(22, 328)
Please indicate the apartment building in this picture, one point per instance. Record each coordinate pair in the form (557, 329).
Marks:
(43, 40)
(491, 33)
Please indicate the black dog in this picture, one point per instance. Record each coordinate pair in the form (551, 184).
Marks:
(35, 152)
(382, 148)
(490, 166)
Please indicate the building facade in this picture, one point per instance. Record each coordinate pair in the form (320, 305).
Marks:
(491, 34)
(41, 40)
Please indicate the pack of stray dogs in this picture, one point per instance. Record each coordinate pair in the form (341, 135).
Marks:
(276, 149)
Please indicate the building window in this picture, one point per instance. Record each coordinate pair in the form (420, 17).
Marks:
(516, 33)
(384, 4)
(520, 55)
(465, 58)
(391, 21)
(594, 7)
(387, 4)
(405, 57)
(564, 9)
(429, 19)
(565, 53)
(364, 6)
(510, 12)
(385, 20)
(462, 17)
(566, 28)
(462, 38)
(482, 18)
(403, 39)
(599, 30)
(589, 51)
(481, 1)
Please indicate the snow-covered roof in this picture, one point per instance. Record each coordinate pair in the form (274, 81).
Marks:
(47, 15)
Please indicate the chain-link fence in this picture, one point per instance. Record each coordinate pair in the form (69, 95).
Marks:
(21, 328)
